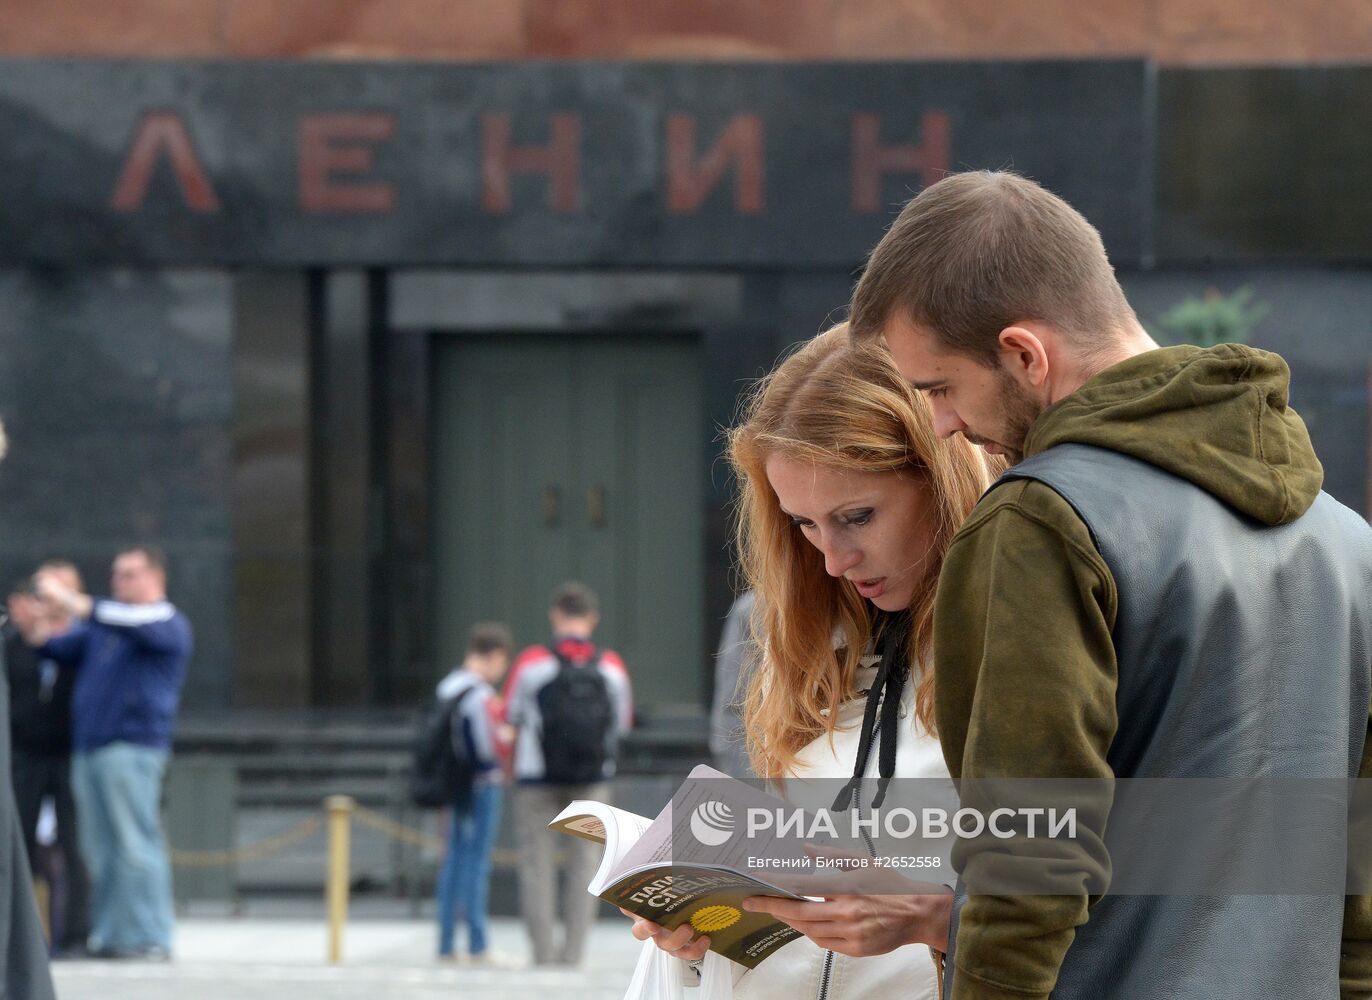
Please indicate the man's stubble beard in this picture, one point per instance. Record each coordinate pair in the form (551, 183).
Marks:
(1021, 410)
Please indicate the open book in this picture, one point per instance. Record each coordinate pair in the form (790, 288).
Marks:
(702, 883)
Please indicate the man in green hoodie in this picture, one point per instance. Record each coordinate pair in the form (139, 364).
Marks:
(1123, 604)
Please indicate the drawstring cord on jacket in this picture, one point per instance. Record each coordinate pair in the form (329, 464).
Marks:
(883, 695)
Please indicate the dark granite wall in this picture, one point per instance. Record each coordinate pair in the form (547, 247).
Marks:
(267, 426)
(116, 393)
(1320, 321)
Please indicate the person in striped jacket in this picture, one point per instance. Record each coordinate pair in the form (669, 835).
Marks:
(130, 653)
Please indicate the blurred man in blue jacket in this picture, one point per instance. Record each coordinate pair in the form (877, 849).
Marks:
(130, 654)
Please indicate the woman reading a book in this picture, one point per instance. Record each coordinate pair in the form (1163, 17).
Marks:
(848, 501)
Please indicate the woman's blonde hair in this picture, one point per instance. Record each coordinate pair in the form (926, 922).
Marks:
(843, 406)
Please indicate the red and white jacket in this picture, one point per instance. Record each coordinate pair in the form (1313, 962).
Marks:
(534, 668)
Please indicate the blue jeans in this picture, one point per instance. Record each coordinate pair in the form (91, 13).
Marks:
(118, 791)
(465, 878)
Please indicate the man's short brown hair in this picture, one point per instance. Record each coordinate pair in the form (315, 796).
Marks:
(486, 638)
(156, 558)
(575, 600)
(979, 251)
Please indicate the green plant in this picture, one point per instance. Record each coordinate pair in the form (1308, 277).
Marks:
(1214, 318)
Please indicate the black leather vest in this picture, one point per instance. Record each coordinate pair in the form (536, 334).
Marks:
(1243, 650)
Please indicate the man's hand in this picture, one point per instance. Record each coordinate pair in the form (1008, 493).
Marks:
(859, 926)
(676, 943)
(52, 591)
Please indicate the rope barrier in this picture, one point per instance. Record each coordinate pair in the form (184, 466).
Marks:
(259, 851)
(418, 838)
(299, 833)
(397, 831)
(342, 811)
(307, 828)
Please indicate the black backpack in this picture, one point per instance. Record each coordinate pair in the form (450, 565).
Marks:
(443, 770)
(578, 718)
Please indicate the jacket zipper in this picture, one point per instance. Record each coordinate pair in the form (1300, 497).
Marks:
(824, 976)
(856, 803)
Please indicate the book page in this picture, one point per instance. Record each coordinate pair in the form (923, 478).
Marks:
(664, 842)
(618, 829)
(645, 873)
(654, 847)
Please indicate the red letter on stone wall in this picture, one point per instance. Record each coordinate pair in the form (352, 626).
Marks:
(689, 182)
(331, 145)
(872, 160)
(158, 133)
(560, 160)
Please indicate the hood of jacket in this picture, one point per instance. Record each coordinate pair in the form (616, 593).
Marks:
(1218, 417)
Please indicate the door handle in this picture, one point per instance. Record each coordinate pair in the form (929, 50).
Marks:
(551, 505)
(595, 506)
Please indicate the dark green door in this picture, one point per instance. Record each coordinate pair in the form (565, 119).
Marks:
(578, 457)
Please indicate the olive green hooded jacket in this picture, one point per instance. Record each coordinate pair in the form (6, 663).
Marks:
(1007, 708)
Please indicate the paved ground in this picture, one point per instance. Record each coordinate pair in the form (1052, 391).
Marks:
(276, 958)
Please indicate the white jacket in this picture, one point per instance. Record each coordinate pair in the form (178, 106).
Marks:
(796, 972)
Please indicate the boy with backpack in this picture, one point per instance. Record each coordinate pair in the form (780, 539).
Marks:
(457, 766)
(570, 704)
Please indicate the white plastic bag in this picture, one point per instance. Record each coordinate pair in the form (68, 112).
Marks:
(659, 976)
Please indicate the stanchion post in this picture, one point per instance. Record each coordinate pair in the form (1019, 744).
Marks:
(340, 809)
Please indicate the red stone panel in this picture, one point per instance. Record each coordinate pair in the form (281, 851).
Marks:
(1172, 31)
(992, 29)
(454, 29)
(1224, 31)
(109, 27)
(673, 29)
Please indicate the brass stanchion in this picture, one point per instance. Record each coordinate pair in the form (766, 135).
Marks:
(340, 809)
